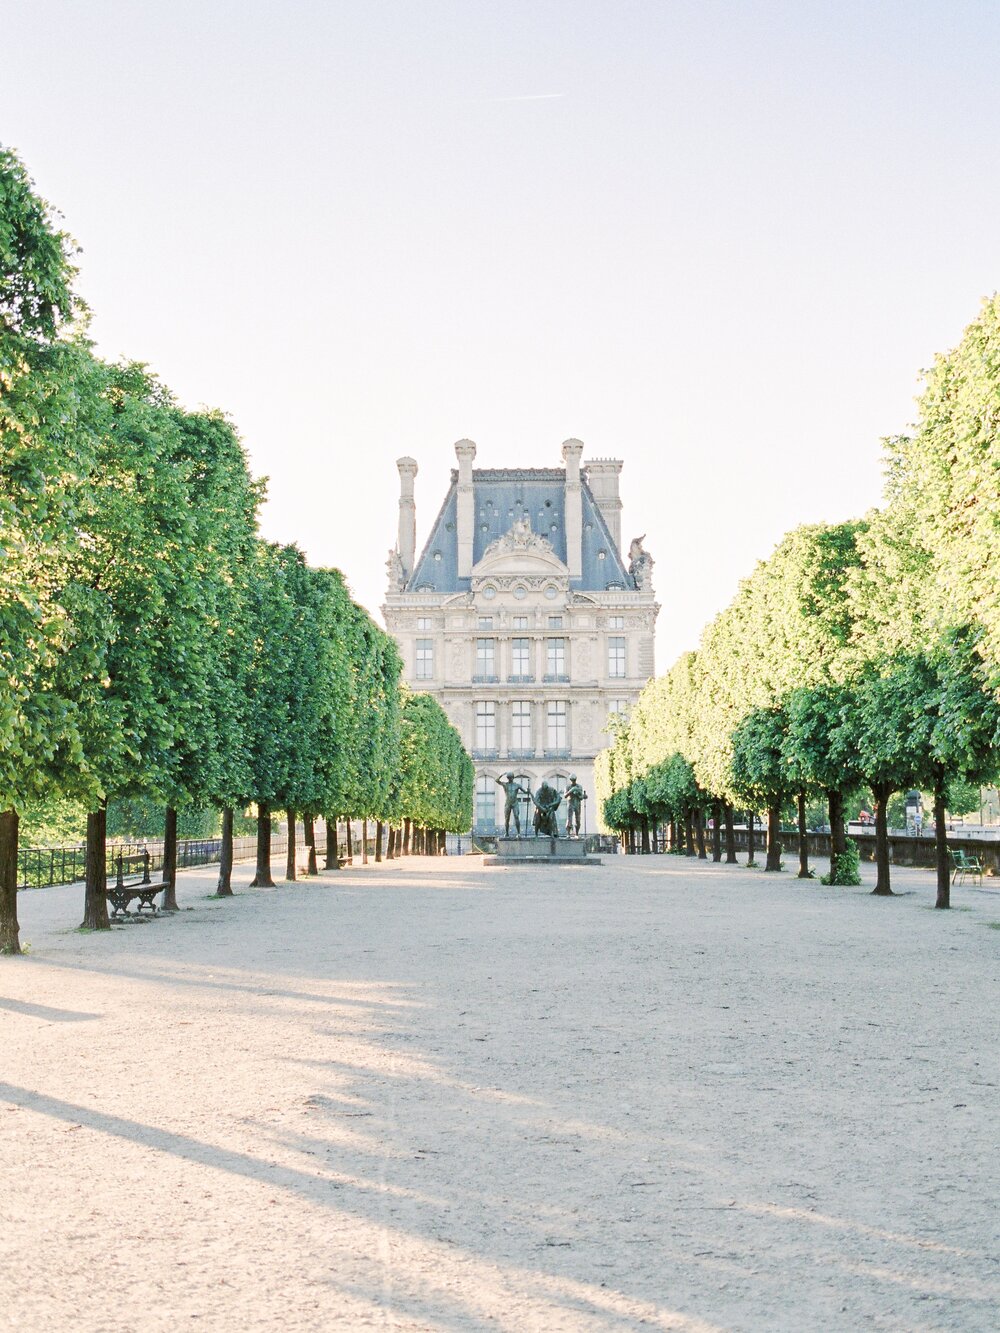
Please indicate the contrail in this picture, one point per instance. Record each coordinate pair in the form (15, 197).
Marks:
(522, 97)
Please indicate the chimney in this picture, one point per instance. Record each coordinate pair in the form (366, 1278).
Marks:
(572, 452)
(602, 477)
(406, 542)
(465, 452)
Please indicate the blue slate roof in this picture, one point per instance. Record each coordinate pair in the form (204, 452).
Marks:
(501, 497)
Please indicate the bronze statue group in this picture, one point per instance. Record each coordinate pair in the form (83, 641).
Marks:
(546, 801)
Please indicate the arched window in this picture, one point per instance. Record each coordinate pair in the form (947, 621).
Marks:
(560, 781)
(486, 804)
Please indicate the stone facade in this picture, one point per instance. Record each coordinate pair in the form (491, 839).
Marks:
(522, 617)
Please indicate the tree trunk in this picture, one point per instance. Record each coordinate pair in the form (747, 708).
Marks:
(838, 836)
(803, 839)
(290, 852)
(881, 791)
(390, 844)
(689, 847)
(730, 836)
(750, 846)
(349, 837)
(262, 878)
(699, 829)
(407, 833)
(10, 942)
(379, 826)
(941, 842)
(717, 831)
(95, 905)
(224, 889)
(673, 835)
(309, 822)
(443, 837)
(332, 851)
(773, 861)
(169, 903)
(645, 836)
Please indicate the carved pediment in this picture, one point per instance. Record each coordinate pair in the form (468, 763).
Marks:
(519, 551)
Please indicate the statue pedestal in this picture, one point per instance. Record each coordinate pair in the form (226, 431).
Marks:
(541, 852)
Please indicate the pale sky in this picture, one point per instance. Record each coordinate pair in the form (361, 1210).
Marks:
(715, 238)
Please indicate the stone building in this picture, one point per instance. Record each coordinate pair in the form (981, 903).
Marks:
(522, 617)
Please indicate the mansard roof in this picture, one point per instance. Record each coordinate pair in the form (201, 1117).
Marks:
(501, 497)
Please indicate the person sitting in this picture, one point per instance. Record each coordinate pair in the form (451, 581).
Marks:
(546, 801)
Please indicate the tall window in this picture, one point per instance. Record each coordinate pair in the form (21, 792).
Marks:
(616, 655)
(617, 707)
(520, 725)
(486, 726)
(486, 657)
(555, 657)
(555, 726)
(559, 782)
(425, 659)
(486, 804)
(520, 657)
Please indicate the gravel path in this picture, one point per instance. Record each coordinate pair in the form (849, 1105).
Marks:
(428, 1095)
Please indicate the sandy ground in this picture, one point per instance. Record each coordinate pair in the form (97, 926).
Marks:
(429, 1095)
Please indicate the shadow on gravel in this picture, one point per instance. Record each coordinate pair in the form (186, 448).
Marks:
(449, 1284)
(44, 1011)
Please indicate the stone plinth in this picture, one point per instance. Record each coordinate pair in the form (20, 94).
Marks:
(541, 851)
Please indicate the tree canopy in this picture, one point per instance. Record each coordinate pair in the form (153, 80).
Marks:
(152, 645)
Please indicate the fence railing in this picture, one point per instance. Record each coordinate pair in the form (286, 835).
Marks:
(44, 867)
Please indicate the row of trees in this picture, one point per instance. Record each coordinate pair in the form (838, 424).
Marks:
(859, 655)
(151, 643)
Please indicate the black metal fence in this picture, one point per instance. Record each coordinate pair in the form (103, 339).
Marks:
(41, 867)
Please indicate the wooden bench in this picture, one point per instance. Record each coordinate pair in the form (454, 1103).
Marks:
(964, 864)
(133, 883)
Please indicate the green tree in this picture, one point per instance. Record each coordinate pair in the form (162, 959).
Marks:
(944, 484)
(281, 708)
(435, 772)
(762, 772)
(821, 749)
(52, 643)
(209, 758)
